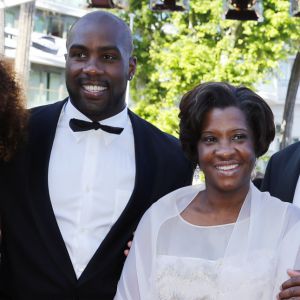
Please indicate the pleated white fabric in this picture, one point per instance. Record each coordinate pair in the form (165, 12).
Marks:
(173, 259)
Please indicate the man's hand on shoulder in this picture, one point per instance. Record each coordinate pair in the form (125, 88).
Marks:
(290, 289)
(126, 251)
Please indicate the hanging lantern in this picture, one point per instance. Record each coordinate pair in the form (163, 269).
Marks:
(295, 8)
(108, 4)
(169, 5)
(243, 10)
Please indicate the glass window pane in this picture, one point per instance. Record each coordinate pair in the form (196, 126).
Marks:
(40, 22)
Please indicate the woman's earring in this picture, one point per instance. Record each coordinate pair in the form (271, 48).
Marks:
(254, 171)
(130, 77)
(197, 175)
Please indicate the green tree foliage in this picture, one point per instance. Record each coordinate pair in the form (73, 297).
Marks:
(201, 46)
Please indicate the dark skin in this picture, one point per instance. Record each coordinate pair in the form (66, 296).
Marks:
(291, 287)
(226, 156)
(98, 65)
(226, 141)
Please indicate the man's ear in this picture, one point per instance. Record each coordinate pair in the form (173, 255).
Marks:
(132, 67)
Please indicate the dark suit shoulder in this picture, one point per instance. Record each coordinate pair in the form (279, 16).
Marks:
(153, 130)
(45, 116)
(282, 173)
(288, 152)
(162, 147)
(36, 111)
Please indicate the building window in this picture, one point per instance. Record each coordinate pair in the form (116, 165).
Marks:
(52, 24)
(12, 16)
(40, 22)
(45, 86)
(55, 26)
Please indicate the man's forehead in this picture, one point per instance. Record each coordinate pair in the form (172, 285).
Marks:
(98, 23)
(101, 26)
(102, 41)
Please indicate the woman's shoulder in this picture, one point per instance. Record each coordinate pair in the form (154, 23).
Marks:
(173, 203)
(180, 197)
(166, 208)
(292, 212)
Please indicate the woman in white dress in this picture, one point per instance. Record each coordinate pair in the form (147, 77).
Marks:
(225, 239)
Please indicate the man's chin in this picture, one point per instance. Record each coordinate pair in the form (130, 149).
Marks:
(95, 113)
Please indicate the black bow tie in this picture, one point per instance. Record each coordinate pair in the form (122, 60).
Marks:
(80, 125)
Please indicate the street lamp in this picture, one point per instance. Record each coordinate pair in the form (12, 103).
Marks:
(108, 4)
(170, 5)
(243, 10)
(295, 8)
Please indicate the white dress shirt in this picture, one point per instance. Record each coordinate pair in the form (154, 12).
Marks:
(296, 199)
(91, 178)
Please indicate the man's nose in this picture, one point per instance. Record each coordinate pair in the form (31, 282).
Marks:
(93, 67)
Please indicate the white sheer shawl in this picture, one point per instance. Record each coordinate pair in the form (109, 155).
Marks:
(254, 253)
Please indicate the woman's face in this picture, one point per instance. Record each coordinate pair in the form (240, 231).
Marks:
(226, 149)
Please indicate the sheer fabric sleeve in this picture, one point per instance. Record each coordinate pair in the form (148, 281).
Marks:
(137, 281)
(135, 278)
(289, 250)
(263, 244)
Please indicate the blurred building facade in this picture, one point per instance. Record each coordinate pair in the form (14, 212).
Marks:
(52, 21)
(274, 92)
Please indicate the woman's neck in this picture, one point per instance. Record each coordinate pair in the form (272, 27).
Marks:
(219, 200)
(214, 207)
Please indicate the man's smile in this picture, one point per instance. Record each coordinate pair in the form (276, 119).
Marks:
(94, 88)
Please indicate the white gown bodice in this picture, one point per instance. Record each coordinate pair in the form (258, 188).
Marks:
(171, 259)
(207, 273)
(183, 278)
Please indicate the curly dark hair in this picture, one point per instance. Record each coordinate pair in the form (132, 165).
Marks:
(206, 96)
(13, 115)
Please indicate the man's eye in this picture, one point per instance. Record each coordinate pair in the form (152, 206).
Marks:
(79, 55)
(109, 57)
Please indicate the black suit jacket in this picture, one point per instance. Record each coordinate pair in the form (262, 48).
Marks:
(282, 173)
(35, 263)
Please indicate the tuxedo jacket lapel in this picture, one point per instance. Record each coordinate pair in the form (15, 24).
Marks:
(290, 175)
(42, 130)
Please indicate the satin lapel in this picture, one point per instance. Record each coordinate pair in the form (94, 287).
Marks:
(145, 168)
(42, 132)
(290, 175)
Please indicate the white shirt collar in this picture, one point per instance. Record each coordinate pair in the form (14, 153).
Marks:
(119, 120)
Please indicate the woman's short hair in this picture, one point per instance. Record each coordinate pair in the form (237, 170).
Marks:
(13, 115)
(196, 103)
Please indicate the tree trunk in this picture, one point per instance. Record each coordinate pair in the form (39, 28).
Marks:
(288, 114)
(22, 63)
(2, 25)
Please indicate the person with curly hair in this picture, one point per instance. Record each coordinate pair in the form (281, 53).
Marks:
(13, 115)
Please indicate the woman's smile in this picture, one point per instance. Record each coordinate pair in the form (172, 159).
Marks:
(226, 149)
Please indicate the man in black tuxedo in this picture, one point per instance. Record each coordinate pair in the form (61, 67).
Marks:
(282, 174)
(72, 197)
(282, 180)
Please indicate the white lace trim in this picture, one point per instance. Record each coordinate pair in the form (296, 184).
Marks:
(182, 278)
